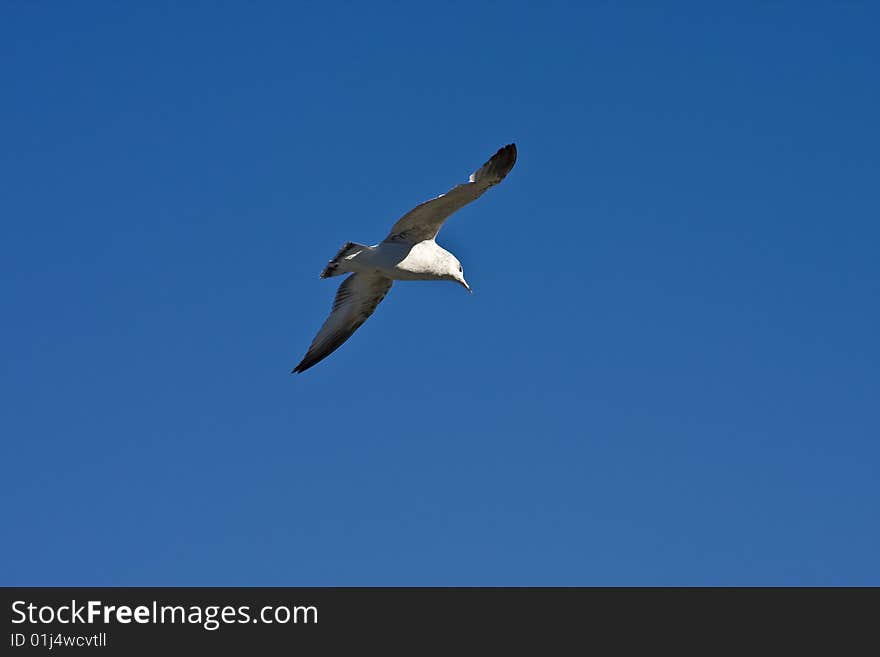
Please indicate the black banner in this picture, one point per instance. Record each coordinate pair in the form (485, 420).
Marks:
(328, 620)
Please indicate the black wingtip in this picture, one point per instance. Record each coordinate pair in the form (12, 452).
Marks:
(303, 366)
(500, 164)
(508, 151)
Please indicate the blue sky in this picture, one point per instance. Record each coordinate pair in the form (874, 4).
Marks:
(668, 372)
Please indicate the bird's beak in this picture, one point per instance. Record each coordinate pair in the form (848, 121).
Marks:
(466, 286)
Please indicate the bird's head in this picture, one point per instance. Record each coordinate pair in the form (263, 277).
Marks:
(456, 273)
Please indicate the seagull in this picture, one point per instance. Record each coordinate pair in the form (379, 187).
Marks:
(408, 253)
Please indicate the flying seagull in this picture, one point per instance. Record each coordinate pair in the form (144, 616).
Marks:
(409, 253)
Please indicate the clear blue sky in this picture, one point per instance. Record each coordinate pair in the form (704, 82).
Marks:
(668, 372)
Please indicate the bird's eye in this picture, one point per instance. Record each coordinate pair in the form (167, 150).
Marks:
(459, 268)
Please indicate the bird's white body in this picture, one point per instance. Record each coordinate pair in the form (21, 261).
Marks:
(400, 261)
(408, 253)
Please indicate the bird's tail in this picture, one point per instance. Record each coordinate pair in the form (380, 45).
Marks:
(336, 266)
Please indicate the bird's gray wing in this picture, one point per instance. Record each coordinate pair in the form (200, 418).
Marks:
(355, 301)
(424, 221)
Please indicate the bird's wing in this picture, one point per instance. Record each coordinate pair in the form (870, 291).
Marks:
(355, 301)
(424, 221)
